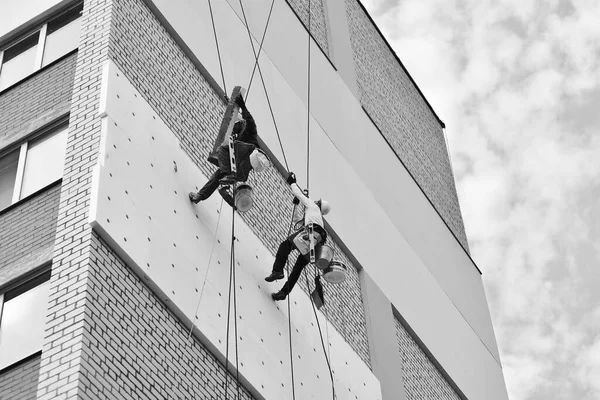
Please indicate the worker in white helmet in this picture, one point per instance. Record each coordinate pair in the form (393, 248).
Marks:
(313, 216)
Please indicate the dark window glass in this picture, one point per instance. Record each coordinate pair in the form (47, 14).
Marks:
(64, 19)
(19, 61)
(21, 47)
(62, 35)
(8, 174)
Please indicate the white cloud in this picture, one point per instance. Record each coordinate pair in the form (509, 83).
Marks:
(507, 77)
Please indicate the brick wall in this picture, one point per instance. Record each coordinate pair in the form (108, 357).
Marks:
(37, 101)
(422, 379)
(27, 234)
(134, 347)
(168, 80)
(20, 382)
(60, 366)
(403, 116)
(318, 20)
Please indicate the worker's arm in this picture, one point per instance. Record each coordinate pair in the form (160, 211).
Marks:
(291, 180)
(250, 132)
(250, 124)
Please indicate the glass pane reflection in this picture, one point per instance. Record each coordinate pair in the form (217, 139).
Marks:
(22, 325)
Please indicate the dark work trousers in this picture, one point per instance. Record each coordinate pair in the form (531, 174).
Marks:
(281, 257)
(213, 183)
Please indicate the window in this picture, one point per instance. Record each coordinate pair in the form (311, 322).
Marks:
(53, 40)
(44, 162)
(62, 35)
(22, 320)
(18, 61)
(8, 174)
(34, 165)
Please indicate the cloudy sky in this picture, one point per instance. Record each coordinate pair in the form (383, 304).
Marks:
(517, 83)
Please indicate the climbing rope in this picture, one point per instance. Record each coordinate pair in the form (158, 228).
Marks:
(232, 273)
(232, 257)
(308, 104)
(290, 311)
(260, 48)
(264, 85)
(207, 267)
(232, 283)
(312, 302)
(328, 344)
(235, 325)
(212, 18)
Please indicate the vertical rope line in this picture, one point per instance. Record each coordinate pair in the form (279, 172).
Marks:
(290, 311)
(320, 335)
(263, 85)
(260, 48)
(308, 104)
(235, 325)
(228, 324)
(207, 268)
(327, 332)
(212, 18)
(232, 284)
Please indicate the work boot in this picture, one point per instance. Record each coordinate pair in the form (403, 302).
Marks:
(281, 295)
(275, 276)
(195, 197)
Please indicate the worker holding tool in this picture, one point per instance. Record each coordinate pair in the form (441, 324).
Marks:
(313, 222)
(248, 157)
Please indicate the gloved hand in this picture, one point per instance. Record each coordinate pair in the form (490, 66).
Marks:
(296, 201)
(291, 179)
(240, 102)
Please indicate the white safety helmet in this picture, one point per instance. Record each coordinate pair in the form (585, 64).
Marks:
(259, 160)
(325, 207)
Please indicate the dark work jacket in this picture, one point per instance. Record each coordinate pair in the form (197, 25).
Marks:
(250, 135)
(244, 146)
(242, 159)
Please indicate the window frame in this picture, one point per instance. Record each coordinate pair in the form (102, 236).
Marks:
(23, 146)
(42, 30)
(21, 285)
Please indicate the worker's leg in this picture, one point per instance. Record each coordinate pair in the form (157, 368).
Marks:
(209, 188)
(280, 259)
(292, 279)
(296, 271)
